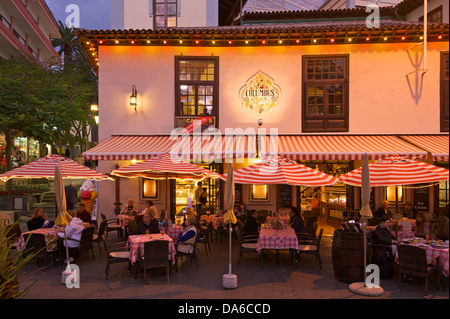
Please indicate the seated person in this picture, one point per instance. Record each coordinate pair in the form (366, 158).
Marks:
(241, 212)
(149, 224)
(251, 225)
(83, 214)
(129, 208)
(410, 212)
(150, 207)
(191, 212)
(73, 233)
(423, 227)
(297, 221)
(39, 220)
(383, 256)
(383, 210)
(187, 237)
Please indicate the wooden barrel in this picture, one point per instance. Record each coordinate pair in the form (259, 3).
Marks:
(348, 256)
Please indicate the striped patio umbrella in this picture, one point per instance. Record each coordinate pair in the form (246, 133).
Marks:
(279, 170)
(165, 166)
(45, 168)
(397, 170)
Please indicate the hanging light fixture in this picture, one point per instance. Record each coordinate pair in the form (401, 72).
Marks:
(133, 97)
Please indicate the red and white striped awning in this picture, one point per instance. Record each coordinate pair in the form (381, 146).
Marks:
(345, 147)
(437, 145)
(282, 171)
(397, 170)
(163, 167)
(45, 168)
(216, 146)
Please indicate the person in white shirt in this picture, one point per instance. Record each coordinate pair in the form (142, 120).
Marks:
(73, 231)
(150, 207)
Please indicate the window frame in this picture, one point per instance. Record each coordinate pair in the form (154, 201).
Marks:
(325, 118)
(196, 83)
(166, 13)
(444, 83)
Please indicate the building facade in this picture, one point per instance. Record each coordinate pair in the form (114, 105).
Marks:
(326, 94)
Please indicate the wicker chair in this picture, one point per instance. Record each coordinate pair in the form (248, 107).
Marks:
(412, 261)
(116, 253)
(86, 240)
(100, 235)
(247, 243)
(191, 255)
(132, 227)
(205, 237)
(13, 234)
(154, 256)
(309, 244)
(112, 225)
(35, 244)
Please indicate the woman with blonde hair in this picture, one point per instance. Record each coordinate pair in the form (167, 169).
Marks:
(39, 220)
(187, 237)
(423, 226)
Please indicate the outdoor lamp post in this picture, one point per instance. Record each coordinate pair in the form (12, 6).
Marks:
(258, 155)
(133, 97)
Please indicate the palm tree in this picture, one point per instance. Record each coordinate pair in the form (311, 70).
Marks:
(69, 48)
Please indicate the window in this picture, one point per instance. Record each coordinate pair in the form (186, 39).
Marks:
(325, 94)
(434, 16)
(444, 91)
(196, 86)
(165, 13)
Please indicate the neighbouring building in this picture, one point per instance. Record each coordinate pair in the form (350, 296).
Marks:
(327, 87)
(26, 27)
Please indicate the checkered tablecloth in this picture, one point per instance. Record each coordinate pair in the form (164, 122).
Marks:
(123, 220)
(137, 241)
(43, 231)
(284, 219)
(277, 239)
(217, 221)
(402, 235)
(431, 253)
(173, 231)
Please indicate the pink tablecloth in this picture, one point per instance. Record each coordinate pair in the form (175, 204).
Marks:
(432, 252)
(173, 231)
(137, 241)
(216, 221)
(402, 235)
(123, 220)
(277, 239)
(43, 231)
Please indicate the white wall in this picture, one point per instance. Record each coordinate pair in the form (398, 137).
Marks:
(432, 4)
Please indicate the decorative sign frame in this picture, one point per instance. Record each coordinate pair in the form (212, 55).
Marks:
(260, 94)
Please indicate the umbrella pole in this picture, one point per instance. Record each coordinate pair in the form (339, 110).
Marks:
(396, 211)
(229, 248)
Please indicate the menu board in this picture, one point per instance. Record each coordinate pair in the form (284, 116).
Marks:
(421, 199)
(284, 196)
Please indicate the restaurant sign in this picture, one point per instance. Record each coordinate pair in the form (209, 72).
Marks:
(260, 94)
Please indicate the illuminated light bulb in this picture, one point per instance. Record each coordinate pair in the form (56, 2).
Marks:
(280, 41)
(117, 41)
(385, 38)
(332, 40)
(403, 38)
(100, 41)
(350, 40)
(314, 40)
(132, 42)
(93, 53)
(196, 41)
(421, 38)
(264, 42)
(148, 41)
(214, 42)
(181, 41)
(229, 42)
(246, 41)
(367, 39)
(440, 37)
(164, 41)
(298, 41)
(87, 42)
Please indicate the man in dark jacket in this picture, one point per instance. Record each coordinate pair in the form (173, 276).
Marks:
(383, 210)
(149, 224)
(383, 256)
(251, 226)
(71, 196)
